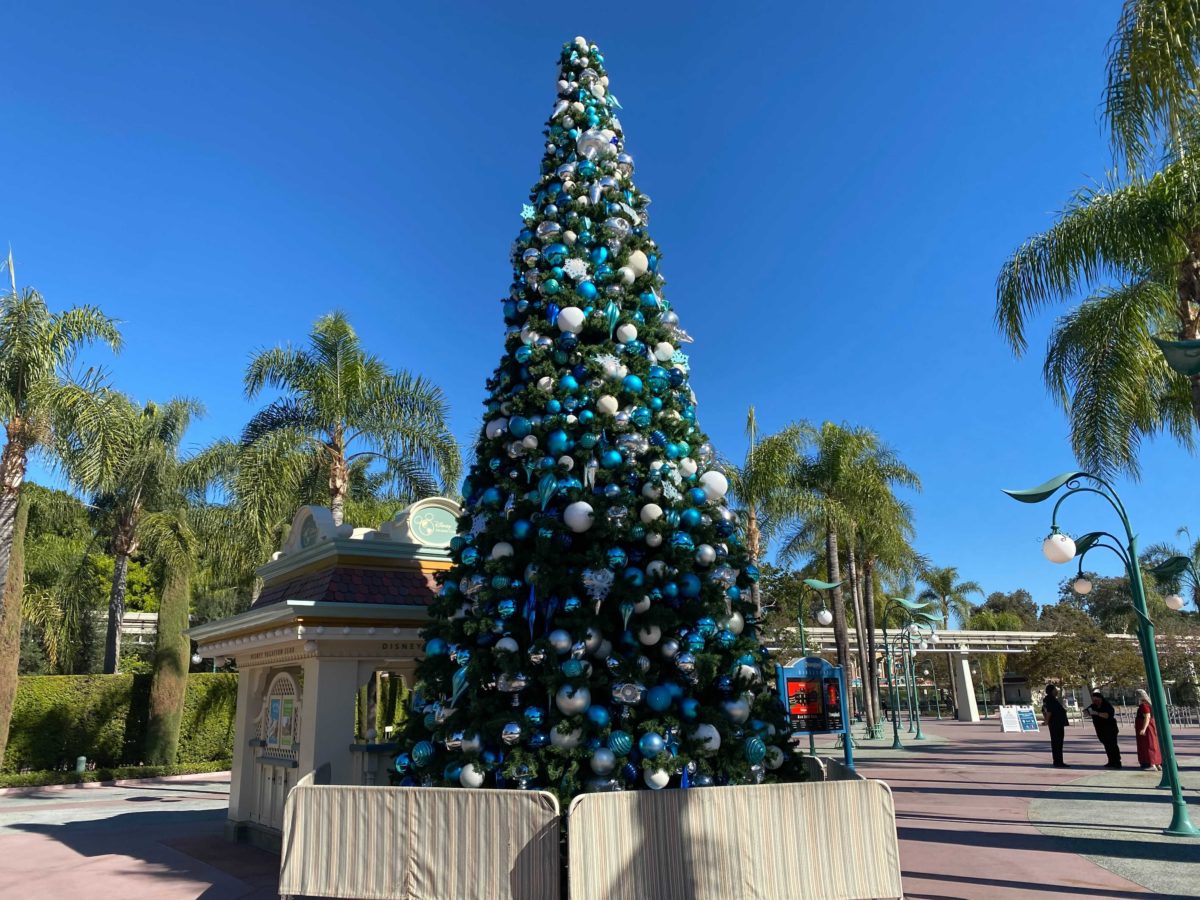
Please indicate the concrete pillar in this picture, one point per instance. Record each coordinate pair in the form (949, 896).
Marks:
(242, 785)
(968, 710)
(327, 724)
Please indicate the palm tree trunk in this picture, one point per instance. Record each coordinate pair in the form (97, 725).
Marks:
(869, 621)
(1188, 287)
(13, 464)
(10, 623)
(840, 636)
(172, 653)
(945, 605)
(859, 631)
(339, 485)
(116, 612)
(753, 548)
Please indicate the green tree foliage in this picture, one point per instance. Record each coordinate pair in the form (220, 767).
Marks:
(340, 405)
(1084, 656)
(993, 665)
(953, 597)
(1019, 603)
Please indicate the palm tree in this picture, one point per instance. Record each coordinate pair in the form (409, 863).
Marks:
(145, 480)
(952, 597)
(337, 397)
(38, 395)
(1133, 247)
(1153, 76)
(756, 486)
(842, 472)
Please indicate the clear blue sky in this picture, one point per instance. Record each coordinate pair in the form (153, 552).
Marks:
(835, 188)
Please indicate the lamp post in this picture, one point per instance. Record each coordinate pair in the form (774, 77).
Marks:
(912, 671)
(912, 612)
(978, 670)
(937, 700)
(1059, 548)
(824, 618)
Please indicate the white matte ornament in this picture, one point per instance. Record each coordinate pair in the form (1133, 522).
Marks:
(607, 405)
(572, 700)
(495, 428)
(715, 484)
(560, 640)
(687, 467)
(774, 758)
(627, 275)
(642, 605)
(638, 262)
(663, 351)
(654, 539)
(651, 491)
(507, 645)
(657, 779)
(749, 674)
(649, 635)
(738, 710)
(472, 744)
(657, 568)
(470, 776)
(545, 384)
(626, 333)
(708, 737)
(571, 320)
(649, 513)
(501, 549)
(579, 516)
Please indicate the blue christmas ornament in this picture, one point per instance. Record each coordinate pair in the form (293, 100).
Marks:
(751, 572)
(585, 416)
(557, 442)
(755, 750)
(566, 341)
(519, 426)
(436, 647)
(571, 604)
(422, 754)
(690, 518)
(555, 254)
(697, 496)
(588, 441)
(611, 458)
(586, 290)
(707, 626)
(620, 743)
(572, 668)
(523, 354)
(690, 586)
(733, 593)
(632, 384)
(470, 556)
(599, 255)
(551, 286)
(670, 589)
(506, 608)
(658, 698)
(641, 417)
(537, 740)
(617, 558)
(521, 529)
(401, 763)
(634, 577)
(658, 379)
(681, 540)
(650, 745)
(451, 772)
(726, 638)
(598, 716)
(535, 715)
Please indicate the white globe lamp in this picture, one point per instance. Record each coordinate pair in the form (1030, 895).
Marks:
(824, 617)
(1058, 548)
(1082, 586)
(1174, 601)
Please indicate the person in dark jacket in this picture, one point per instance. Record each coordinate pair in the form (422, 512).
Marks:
(1054, 717)
(1104, 717)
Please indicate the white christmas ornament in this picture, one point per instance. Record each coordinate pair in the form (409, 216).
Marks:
(642, 605)
(651, 491)
(529, 442)
(560, 640)
(738, 710)
(627, 275)
(749, 674)
(708, 737)
(734, 623)
(607, 405)
(545, 384)
(603, 760)
(470, 776)
(579, 516)
(657, 568)
(687, 467)
(649, 513)
(654, 539)
(626, 333)
(715, 484)
(592, 639)
(501, 549)
(656, 779)
(472, 744)
(572, 700)
(706, 554)
(774, 758)
(507, 645)
(649, 635)
(495, 428)
(571, 320)
(663, 351)
(638, 262)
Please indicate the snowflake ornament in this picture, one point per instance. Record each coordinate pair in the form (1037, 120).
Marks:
(679, 358)
(528, 213)
(478, 525)
(576, 269)
(598, 582)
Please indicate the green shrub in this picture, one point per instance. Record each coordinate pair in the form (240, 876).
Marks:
(103, 717)
(38, 779)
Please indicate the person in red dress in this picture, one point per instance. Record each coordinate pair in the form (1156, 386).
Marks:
(1149, 755)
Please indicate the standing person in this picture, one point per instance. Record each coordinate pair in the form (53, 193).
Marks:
(1149, 755)
(1104, 717)
(1054, 717)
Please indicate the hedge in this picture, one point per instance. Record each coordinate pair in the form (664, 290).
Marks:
(103, 717)
(42, 778)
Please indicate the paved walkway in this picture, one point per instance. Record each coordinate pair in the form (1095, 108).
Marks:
(161, 840)
(981, 814)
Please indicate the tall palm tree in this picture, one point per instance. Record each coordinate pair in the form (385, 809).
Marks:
(756, 486)
(1131, 247)
(38, 395)
(144, 480)
(1153, 76)
(340, 405)
(951, 595)
(953, 598)
(842, 470)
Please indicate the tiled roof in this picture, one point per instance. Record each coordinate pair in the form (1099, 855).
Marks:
(350, 584)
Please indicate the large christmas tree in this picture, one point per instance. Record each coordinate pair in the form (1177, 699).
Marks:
(594, 632)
